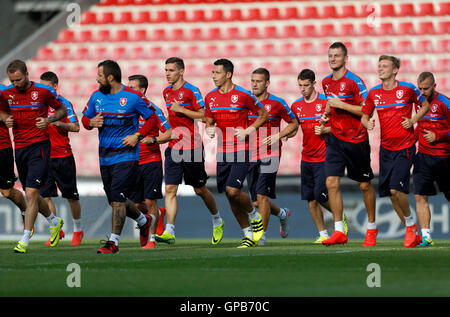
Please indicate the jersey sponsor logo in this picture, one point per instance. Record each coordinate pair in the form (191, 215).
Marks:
(234, 98)
(123, 101)
(34, 95)
(399, 93)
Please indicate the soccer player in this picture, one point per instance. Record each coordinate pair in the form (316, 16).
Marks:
(394, 102)
(227, 107)
(114, 110)
(265, 152)
(62, 168)
(432, 161)
(309, 110)
(184, 157)
(347, 143)
(7, 176)
(148, 188)
(24, 108)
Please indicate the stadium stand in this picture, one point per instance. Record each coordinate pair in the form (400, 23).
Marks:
(285, 36)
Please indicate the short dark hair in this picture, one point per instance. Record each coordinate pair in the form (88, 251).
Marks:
(425, 75)
(307, 74)
(143, 82)
(339, 45)
(262, 71)
(226, 63)
(393, 59)
(111, 68)
(16, 65)
(176, 60)
(51, 77)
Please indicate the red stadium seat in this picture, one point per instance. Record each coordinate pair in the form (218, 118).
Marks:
(442, 46)
(234, 15)
(348, 11)
(119, 53)
(425, 28)
(156, 52)
(424, 65)
(175, 50)
(180, 16)
(88, 17)
(139, 35)
(121, 36)
(193, 51)
(251, 32)
(254, 14)
(404, 46)
(365, 66)
(137, 52)
(44, 53)
(443, 27)
(195, 34)
(159, 35)
(308, 30)
(444, 9)
(125, 17)
(198, 15)
(405, 28)
(323, 46)
(272, 14)
(326, 30)
(232, 33)
(176, 34)
(106, 18)
(406, 9)
(406, 65)
(386, 29)
(269, 49)
(289, 31)
(82, 53)
(143, 17)
(290, 13)
(84, 36)
(366, 30)
(62, 53)
(425, 46)
(347, 29)
(310, 12)
(385, 47)
(103, 36)
(231, 50)
(249, 49)
(66, 36)
(214, 33)
(289, 48)
(307, 48)
(216, 16)
(161, 16)
(270, 31)
(425, 9)
(211, 51)
(99, 53)
(443, 65)
(364, 47)
(387, 10)
(328, 11)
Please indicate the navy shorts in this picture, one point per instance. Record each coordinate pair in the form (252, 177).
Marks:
(395, 170)
(261, 178)
(232, 170)
(119, 180)
(189, 164)
(148, 182)
(62, 174)
(7, 176)
(313, 181)
(32, 164)
(429, 169)
(353, 156)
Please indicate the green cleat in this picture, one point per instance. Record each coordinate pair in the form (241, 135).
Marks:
(55, 232)
(247, 243)
(21, 247)
(426, 242)
(344, 220)
(166, 237)
(217, 234)
(257, 228)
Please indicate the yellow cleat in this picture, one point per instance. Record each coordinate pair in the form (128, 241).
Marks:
(55, 233)
(320, 239)
(257, 228)
(247, 243)
(21, 247)
(217, 234)
(166, 237)
(344, 220)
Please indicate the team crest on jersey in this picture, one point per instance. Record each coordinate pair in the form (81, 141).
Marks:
(123, 101)
(268, 107)
(399, 94)
(181, 95)
(318, 107)
(234, 98)
(34, 95)
(434, 108)
(342, 86)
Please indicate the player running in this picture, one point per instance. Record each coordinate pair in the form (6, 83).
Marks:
(309, 110)
(114, 110)
(24, 108)
(148, 188)
(347, 143)
(394, 102)
(184, 157)
(432, 161)
(227, 108)
(62, 167)
(265, 152)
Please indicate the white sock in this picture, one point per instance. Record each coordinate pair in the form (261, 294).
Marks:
(216, 219)
(77, 225)
(324, 233)
(52, 220)
(141, 220)
(114, 238)
(426, 233)
(371, 225)
(152, 237)
(253, 215)
(339, 226)
(282, 214)
(26, 236)
(170, 228)
(248, 232)
(409, 221)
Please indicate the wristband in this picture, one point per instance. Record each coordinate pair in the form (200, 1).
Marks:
(154, 139)
(139, 136)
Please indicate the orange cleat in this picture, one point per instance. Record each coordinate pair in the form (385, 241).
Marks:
(371, 238)
(144, 231)
(411, 237)
(109, 248)
(149, 245)
(77, 237)
(160, 227)
(336, 238)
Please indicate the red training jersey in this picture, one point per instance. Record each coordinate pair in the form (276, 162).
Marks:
(392, 106)
(308, 115)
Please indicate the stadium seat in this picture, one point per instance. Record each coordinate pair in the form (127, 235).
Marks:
(364, 47)
(424, 46)
(106, 18)
(326, 29)
(193, 51)
(405, 28)
(268, 49)
(100, 53)
(443, 65)
(308, 30)
(289, 48)
(307, 48)
(62, 53)
(328, 11)
(425, 9)
(195, 34)
(310, 12)
(272, 14)
(139, 35)
(103, 36)
(119, 53)
(176, 34)
(234, 15)
(232, 33)
(121, 35)
(289, 31)
(290, 13)
(231, 50)
(161, 17)
(406, 9)
(386, 28)
(322, 47)
(348, 11)
(65, 36)
(366, 30)
(423, 64)
(216, 16)
(197, 16)
(404, 46)
(125, 17)
(251, 32)
(385, 47)
(84, 36)
(444, 9)
(82, 53)
(250, 49)
(88, 17)
(179, 16)
(443, 27)
(143, 17)
(347, 29)
(156, 52)
(137, 52)
(270, 31)
(387, 10)
(214, 33)
(442, 46)
(253, 14)
(158, 35)
(425, 28)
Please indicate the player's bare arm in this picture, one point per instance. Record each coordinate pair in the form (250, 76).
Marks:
(69, 126)
(60, 112)
(290, 129)
(408, 123)
(335, 102)
(97, 121)
(263, 117)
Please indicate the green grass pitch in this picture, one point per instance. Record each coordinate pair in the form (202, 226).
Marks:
(194, 268)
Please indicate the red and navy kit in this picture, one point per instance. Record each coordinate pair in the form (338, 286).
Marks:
(59, 137)
(351, 90)
(25, 108)
(278, 109)
(5, 139)
(392, 107)
(308, 115)
(184, 128)
(150, 152)
(436, 120)
(230, 110)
